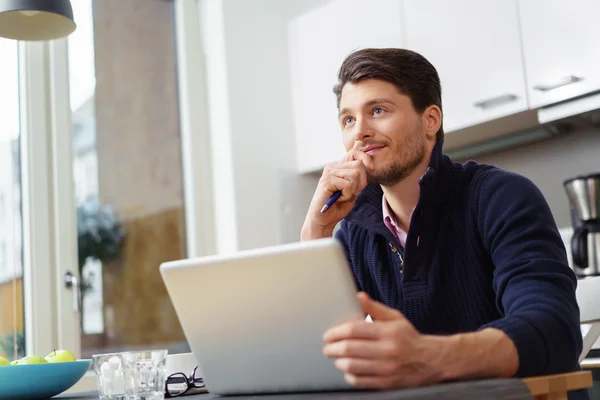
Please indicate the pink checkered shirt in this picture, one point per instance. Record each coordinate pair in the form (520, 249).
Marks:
(390, 221)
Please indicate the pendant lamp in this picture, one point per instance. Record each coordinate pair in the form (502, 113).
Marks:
(36, 19)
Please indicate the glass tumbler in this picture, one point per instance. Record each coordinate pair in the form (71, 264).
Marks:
(110, 376)
(145, 374)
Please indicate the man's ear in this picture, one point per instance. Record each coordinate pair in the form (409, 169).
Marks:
(432, 118)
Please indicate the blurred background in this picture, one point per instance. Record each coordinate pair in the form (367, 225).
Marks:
(161, 130)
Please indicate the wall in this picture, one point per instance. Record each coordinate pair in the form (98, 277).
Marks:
(550, 162)
(259, 199)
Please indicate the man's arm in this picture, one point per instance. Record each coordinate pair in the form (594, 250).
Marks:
(483, 354)
(535, 288)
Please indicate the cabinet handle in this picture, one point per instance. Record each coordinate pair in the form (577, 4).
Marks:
(565, 81)
(496, 101)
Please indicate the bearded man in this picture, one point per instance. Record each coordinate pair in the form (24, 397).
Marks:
(460, 266)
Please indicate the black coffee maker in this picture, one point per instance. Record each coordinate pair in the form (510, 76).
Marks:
(584, 197)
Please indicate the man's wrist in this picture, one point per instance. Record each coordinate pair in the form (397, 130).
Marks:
(309, 232)
(488, 353)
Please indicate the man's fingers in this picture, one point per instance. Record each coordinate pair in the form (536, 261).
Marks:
(366, 367)
(347, 157)
(350, 174)
(363, 163)
(361, 172)
(371, 382)
(352, 164)
(362, 157)
(348, 188)
(352, 330)
(377, 310)
(356, 348)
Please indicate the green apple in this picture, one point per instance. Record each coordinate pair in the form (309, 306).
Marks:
(32, 360)
(4, 361)
(60, 356)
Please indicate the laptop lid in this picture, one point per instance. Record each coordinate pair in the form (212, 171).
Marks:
(255, 319)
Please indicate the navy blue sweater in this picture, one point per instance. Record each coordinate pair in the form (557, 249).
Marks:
(489, 255)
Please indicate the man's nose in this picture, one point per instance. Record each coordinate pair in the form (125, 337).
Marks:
(362, 130)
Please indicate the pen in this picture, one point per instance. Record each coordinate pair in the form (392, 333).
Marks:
(331, 200)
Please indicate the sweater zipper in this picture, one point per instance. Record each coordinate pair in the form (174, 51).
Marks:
(395, 250)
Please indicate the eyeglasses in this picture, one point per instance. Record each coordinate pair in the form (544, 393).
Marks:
(179, 383)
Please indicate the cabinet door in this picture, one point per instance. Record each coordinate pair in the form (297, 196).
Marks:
(475, 47)
(319, 42)
(561, 42)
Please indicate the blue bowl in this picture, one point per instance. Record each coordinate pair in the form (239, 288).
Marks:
(40, 381)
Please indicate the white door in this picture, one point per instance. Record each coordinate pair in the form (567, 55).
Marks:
(319, 42)
(120, 146)
(475, 47)
(560, 42)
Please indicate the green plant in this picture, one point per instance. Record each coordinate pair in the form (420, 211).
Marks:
(99, 235)
(7, 344)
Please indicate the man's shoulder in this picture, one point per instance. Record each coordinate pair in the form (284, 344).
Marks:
(489, 180)
(498, 195)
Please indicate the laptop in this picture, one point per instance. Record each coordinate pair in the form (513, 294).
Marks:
(255, 319)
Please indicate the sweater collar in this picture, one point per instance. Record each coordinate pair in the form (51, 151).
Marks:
(435, 188)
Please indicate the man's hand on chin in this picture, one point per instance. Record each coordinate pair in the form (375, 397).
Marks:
(391, 353)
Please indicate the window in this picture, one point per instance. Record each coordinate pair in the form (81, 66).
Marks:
(128, 171)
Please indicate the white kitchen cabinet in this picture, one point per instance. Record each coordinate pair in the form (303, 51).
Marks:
(319, 42)
(561, 42)
(475, 46)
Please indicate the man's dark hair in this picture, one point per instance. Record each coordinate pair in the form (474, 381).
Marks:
(410, 72)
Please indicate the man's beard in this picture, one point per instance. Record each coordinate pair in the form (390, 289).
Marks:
(407, 159)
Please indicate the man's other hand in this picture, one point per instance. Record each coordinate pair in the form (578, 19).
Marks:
(387, 353)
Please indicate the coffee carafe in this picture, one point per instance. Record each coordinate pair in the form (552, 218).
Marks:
(584, 197)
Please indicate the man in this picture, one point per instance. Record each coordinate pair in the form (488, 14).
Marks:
(461, 266)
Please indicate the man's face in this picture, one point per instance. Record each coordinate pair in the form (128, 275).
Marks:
(380, 121)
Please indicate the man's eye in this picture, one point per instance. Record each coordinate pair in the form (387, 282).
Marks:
(378, 110)
(348, 120)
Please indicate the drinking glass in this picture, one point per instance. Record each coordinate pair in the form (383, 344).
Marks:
(145, 374)
(110, 376)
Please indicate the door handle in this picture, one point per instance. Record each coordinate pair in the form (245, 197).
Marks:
(72, 283)
(496, 101)
(563, 82)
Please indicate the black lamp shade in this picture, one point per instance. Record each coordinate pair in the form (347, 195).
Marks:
(36, 19)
